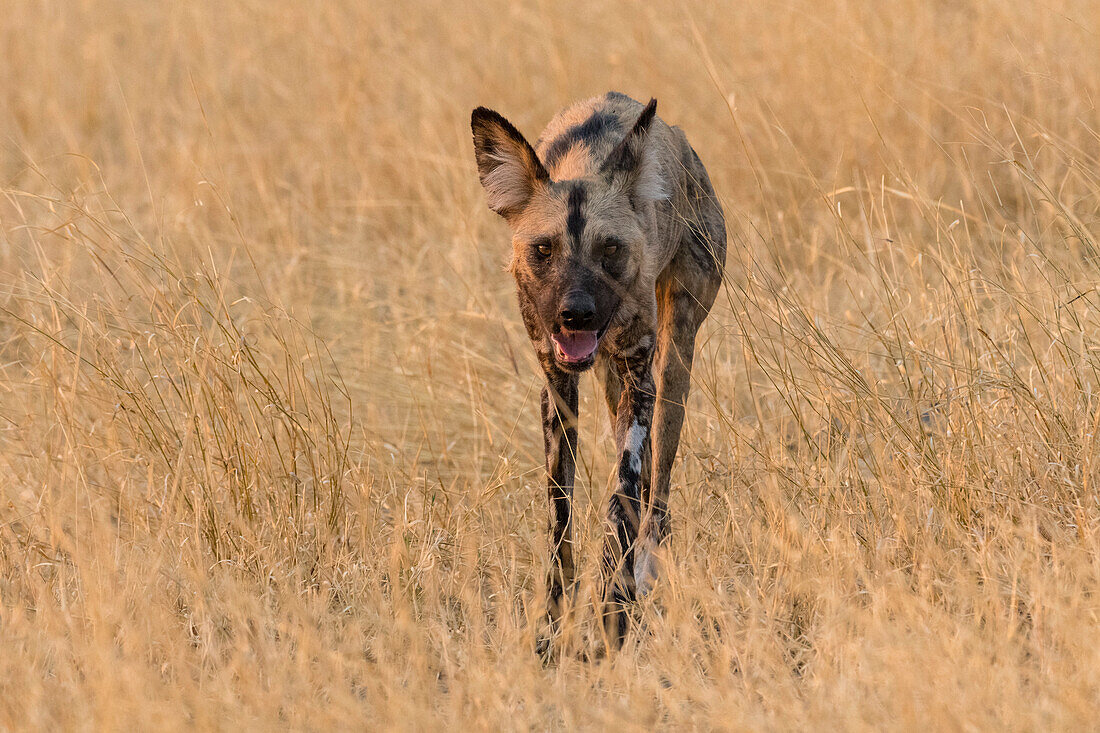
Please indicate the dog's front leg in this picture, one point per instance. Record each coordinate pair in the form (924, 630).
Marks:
(633, 419)
(559, 426)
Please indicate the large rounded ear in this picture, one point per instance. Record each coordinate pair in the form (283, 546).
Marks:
(633, 166)
(509, 169)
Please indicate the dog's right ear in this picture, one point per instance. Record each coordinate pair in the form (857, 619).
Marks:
(632, 165)
(509, 169)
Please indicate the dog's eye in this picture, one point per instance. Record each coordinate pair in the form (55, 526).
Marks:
(543, 249)
(610, 248)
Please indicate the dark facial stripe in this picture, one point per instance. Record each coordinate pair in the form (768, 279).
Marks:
(599, 124)
(574, 222)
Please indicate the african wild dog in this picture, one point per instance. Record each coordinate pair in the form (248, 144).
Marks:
(618, 245)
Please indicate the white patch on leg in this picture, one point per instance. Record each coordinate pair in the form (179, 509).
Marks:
(634, 442)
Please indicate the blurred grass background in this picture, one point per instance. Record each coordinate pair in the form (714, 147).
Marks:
(268, 417)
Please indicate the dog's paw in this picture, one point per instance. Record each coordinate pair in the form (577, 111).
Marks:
(647, 569)
(544, 649)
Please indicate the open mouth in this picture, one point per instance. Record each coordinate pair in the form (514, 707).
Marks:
(574, 347)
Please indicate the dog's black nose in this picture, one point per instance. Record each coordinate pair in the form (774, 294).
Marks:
(578, 311)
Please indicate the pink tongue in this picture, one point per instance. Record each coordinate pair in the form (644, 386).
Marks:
(576, 345)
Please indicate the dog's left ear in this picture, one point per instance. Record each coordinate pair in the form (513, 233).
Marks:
(633, 166)
(509, 169)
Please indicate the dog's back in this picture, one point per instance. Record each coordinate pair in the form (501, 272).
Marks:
(580, 137)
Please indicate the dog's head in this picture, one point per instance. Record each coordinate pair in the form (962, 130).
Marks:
(577, 245)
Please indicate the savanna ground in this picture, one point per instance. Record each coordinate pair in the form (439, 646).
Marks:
(268, 418)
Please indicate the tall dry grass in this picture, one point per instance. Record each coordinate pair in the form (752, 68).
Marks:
(268, 419)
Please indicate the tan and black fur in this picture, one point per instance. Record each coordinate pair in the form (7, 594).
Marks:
(618, 240)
